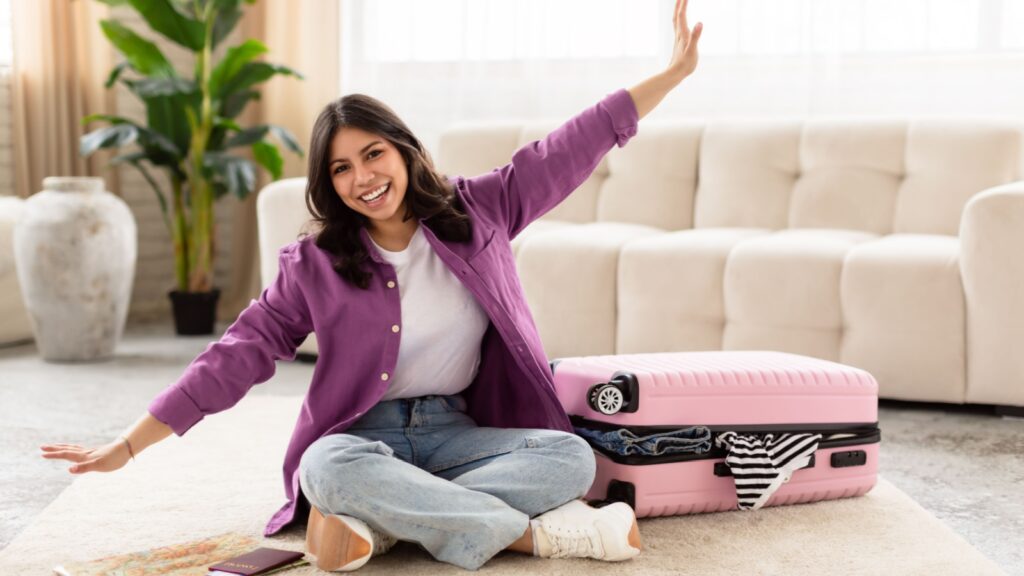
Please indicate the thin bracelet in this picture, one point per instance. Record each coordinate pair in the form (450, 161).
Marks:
(129, 445)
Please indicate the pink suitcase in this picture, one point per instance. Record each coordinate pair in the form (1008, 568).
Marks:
(747, 392)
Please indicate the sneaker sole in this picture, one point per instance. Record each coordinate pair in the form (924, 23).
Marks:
(634, 536)
(335, 546)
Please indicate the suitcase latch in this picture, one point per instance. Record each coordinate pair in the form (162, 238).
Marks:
(850, 458)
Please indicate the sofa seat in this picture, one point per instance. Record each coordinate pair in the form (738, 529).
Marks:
(903, 305)
(671, 287)
(559, 269)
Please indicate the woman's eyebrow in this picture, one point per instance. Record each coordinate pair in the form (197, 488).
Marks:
(365, 148)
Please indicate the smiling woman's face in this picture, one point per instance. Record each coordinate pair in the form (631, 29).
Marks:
(362, 165)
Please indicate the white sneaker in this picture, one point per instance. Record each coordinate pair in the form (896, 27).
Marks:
(343, 543)
(575, 530)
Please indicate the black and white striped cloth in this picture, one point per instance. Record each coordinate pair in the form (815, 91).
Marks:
(761, 463)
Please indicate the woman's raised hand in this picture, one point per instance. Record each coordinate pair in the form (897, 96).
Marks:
(106, 458)
(684, 52)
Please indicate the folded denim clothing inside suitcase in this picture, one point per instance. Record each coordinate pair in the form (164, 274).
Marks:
(751, 394)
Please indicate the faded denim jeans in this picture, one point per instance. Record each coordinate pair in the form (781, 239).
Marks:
(421, 470)
(696, 440)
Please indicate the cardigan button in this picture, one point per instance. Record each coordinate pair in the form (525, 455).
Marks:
(395, 328)
(391, 283)
(384, 376)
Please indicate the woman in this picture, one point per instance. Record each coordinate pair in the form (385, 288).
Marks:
(453, 440)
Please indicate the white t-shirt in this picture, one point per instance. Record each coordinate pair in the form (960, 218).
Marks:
(442, 325)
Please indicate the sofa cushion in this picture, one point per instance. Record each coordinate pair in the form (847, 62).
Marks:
(850, 175)
(946, 164)
(670, 290)
(569, 275)
(747, 172)
(537, 227)
(782, 292)
(903, 302)
(652, 181)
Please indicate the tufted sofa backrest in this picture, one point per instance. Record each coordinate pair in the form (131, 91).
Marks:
(871, 175)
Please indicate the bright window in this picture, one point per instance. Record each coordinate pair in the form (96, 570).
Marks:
(449, 30)
(490, 30)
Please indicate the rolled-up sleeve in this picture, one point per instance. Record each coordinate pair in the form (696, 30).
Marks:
(269, 329)
(544, 172)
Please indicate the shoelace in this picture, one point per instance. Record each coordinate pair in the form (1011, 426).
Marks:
(576, 544)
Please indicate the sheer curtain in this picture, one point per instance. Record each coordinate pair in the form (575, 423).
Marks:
(447, 61)
(304, 36)
(60, 61)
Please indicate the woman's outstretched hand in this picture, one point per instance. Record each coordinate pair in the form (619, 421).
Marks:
(649, 93)
(684, 52)
(106, 458)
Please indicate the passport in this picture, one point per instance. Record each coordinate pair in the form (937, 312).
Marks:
(259, 561)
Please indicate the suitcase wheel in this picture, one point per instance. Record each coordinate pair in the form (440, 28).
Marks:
(606, 398)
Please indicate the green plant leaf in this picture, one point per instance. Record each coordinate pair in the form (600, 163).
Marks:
(237, 174)
(105, 117)
(159, 149)
(116, 73)
(114, 2)
(163, 18)
(268, 156)
(257, 133)
(164, 114)
(152, 87)
(135, 159)
(224, 23)
(234, 104)
(142, 54)
(107, 137)
(253, 73)
(231, 64)
(221, 122)
(287, 138)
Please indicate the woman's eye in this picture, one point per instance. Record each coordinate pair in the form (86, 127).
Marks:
(372, 152)
(340, 169)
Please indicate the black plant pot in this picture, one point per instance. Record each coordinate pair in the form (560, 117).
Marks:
(194, 312)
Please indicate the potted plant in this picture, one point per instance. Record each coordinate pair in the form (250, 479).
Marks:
(190, 132)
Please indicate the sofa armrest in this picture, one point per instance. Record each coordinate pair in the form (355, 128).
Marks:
(992, 265)
(281, 214)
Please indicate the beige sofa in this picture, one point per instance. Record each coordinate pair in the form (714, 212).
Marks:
(15, 326)
(894, 246)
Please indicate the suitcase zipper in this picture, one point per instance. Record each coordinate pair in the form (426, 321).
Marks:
(852, 435)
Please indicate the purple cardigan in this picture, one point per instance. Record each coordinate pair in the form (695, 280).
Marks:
(358, 350)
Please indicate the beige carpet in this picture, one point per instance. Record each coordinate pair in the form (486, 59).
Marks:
(225, 475)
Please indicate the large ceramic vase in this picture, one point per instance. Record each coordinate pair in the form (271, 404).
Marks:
(75, 252)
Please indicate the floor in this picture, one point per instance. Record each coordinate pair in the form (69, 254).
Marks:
(964, 465)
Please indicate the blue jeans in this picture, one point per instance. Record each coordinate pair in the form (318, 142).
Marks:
(696, 440)
(422, 471)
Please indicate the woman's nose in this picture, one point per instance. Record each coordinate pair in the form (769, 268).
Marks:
(363, 177)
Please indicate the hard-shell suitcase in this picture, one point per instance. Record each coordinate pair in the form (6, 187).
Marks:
(749, 392)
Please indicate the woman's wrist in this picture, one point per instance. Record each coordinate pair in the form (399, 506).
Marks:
(128, 445)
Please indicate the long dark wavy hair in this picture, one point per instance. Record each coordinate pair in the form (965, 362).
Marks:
(428, 195)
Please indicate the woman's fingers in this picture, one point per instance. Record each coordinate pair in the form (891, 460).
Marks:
(75, 455)
(83, 467)
(72, 456)
(49, 447)
(682, 17)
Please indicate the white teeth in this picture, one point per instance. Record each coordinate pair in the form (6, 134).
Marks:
(374, 194)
